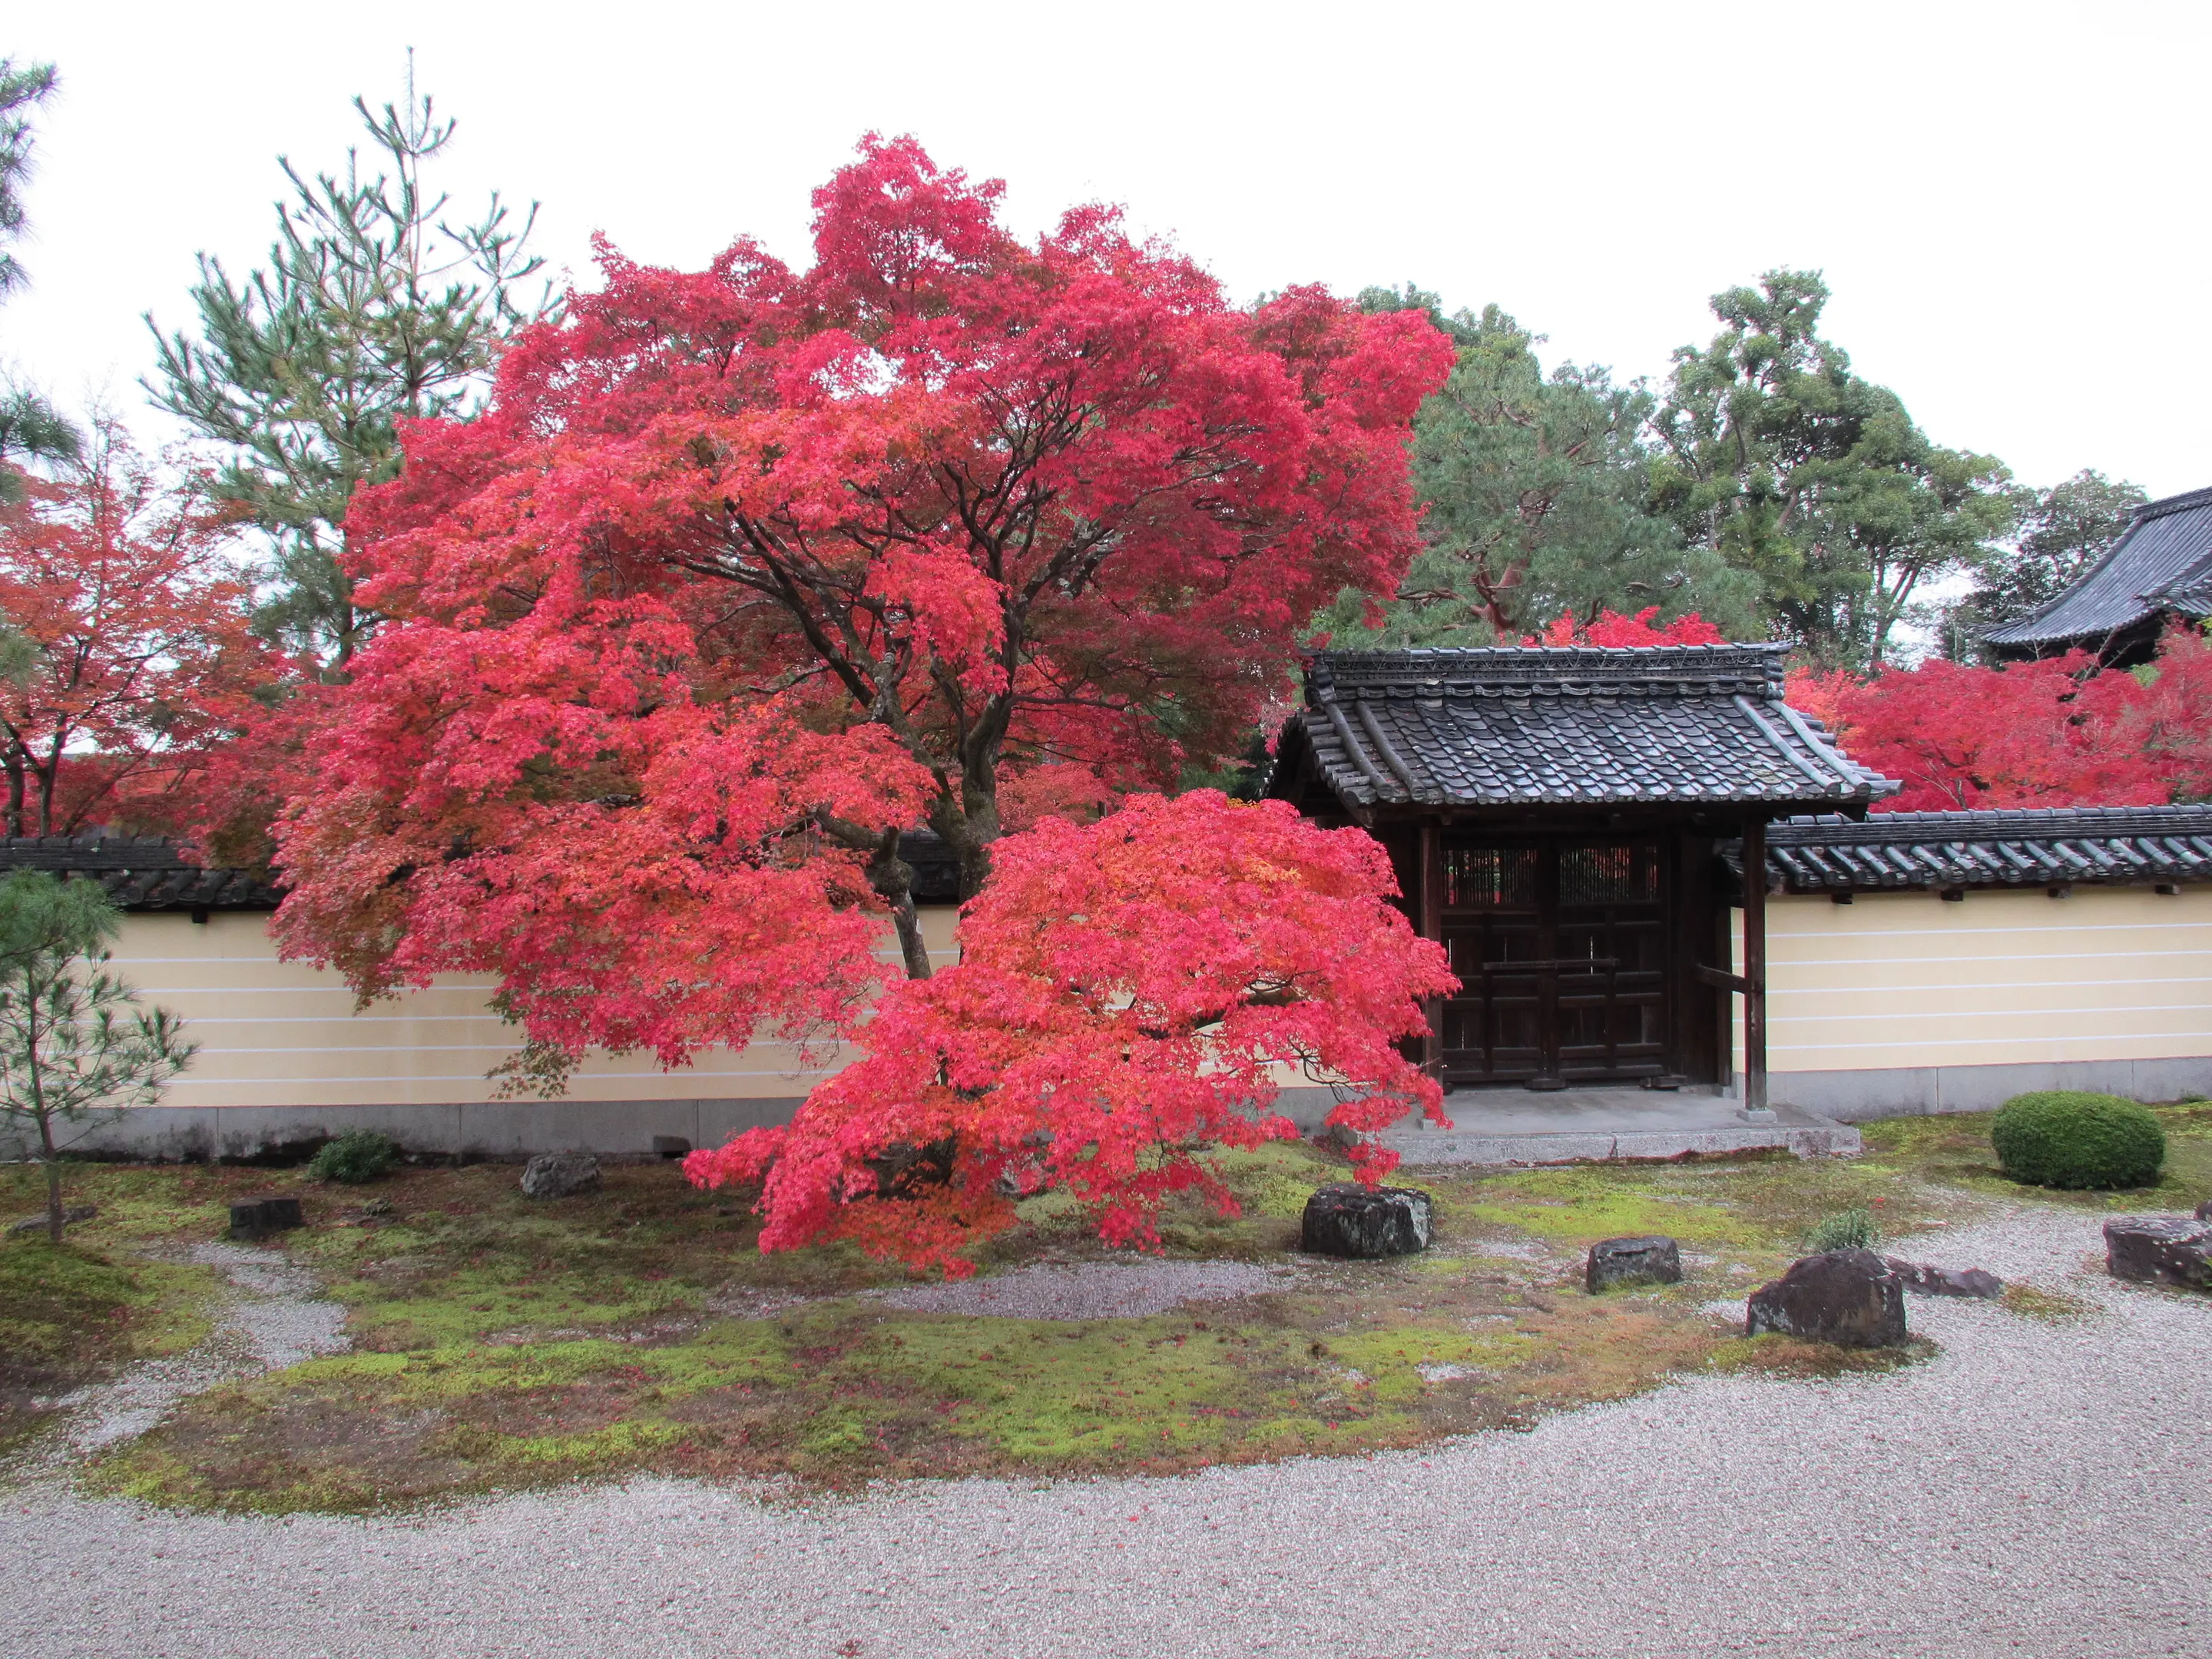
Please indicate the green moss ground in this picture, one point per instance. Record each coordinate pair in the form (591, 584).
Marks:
(501, 1343)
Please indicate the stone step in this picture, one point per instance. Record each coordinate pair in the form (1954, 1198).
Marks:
(1416, 1147)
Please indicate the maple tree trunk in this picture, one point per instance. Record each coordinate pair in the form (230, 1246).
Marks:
(892, 878)
(14, 763)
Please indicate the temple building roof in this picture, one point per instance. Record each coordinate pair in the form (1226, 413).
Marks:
(1502, 726)
(2054, 846)
(2161, 564)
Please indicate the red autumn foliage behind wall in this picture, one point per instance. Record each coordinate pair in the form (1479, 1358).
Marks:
(2058, 732)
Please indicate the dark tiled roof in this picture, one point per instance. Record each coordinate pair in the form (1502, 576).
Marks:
(2163, 562)
(1566, 725)
(140, 872)
(2037, 847)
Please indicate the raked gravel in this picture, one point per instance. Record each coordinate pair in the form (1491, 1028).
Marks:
(2037, 1489)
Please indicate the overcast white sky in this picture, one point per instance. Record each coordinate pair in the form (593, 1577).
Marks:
(2009, 200)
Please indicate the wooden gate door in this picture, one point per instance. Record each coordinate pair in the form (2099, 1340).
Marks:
(1561, 950)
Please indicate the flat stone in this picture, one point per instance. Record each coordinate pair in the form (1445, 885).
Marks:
(1364, 1223)
(70, 1217)
(2168, 1249)
(560, 1175)
(258, 1217)
(1922, 1279)
(1615, 1261)
(1851, 1298)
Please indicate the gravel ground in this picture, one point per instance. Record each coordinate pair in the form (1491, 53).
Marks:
(2038, 1489)
(1104, 1289)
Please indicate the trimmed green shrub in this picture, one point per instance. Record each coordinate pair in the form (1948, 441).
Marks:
(355, 1157)
(2070, 1138)
(1853, 1229)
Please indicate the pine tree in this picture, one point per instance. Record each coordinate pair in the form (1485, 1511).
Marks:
(374, 309)
(30, 429)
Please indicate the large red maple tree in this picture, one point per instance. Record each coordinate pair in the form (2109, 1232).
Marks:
(744, 571)
(129, 618)
(1131, 995)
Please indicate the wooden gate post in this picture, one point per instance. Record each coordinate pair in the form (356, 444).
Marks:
(1754, 966)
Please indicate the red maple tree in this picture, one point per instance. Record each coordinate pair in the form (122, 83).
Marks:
(1130, 994)
(136, 661)
(2056, 732)
(1012, 504)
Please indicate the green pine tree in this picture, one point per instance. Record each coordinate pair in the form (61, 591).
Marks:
(30, 429)
(72, 1037)
(373, 308)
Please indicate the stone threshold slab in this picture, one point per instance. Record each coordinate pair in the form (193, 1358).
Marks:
(1447, 1146)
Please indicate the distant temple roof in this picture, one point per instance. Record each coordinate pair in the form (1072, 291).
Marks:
(2022, 848)
(140, 872)
(2162, 563)
(1564, 726)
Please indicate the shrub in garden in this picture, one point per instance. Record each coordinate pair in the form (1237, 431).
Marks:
(356, 1157)
(1853, 1229)
(2071, 1138)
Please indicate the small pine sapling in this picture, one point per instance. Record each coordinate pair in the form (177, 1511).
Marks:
(72, 1037)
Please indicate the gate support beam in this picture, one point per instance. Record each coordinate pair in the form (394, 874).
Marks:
(1754, 969)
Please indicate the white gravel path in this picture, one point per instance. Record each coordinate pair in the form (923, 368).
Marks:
(279, 1319)
(2036, 1490)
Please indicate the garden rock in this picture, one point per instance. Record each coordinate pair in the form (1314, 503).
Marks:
(70, 1217)
(258, 1217)
(1365, 1222)
(2170, 1249)
(2205, 1210)
(1851, 1298)
(1615, 1261)
(1921, 1280)
(560, 1175)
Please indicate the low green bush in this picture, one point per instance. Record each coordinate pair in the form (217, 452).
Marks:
(1853, 1229)
(2070, 1138)
(355, 1157)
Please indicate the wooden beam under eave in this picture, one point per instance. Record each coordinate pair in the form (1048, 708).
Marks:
(1432, 926)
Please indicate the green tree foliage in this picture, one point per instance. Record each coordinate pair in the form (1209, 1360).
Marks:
(2061, 531)
(72, 1037)
(1534, 487)
(30, 429)
(1771, 452)
(373, 308)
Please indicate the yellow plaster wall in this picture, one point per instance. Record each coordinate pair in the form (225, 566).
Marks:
(280, 1034)
(1999, 978)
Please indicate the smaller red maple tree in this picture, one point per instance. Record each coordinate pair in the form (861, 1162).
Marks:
(140, 663)
(1131, 995)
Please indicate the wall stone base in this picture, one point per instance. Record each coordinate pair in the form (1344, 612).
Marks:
(516, 1129)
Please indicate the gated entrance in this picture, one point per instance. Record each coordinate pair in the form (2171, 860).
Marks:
(1562, 952)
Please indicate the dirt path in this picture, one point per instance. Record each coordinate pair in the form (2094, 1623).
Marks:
(2039, 1488)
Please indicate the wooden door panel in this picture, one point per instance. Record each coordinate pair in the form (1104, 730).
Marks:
(1563, 953)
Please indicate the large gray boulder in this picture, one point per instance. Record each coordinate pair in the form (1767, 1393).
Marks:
(560, 1175)
(1851, 1298)
(2165, 1249)
(1656, 1260)
(1366, 1222)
